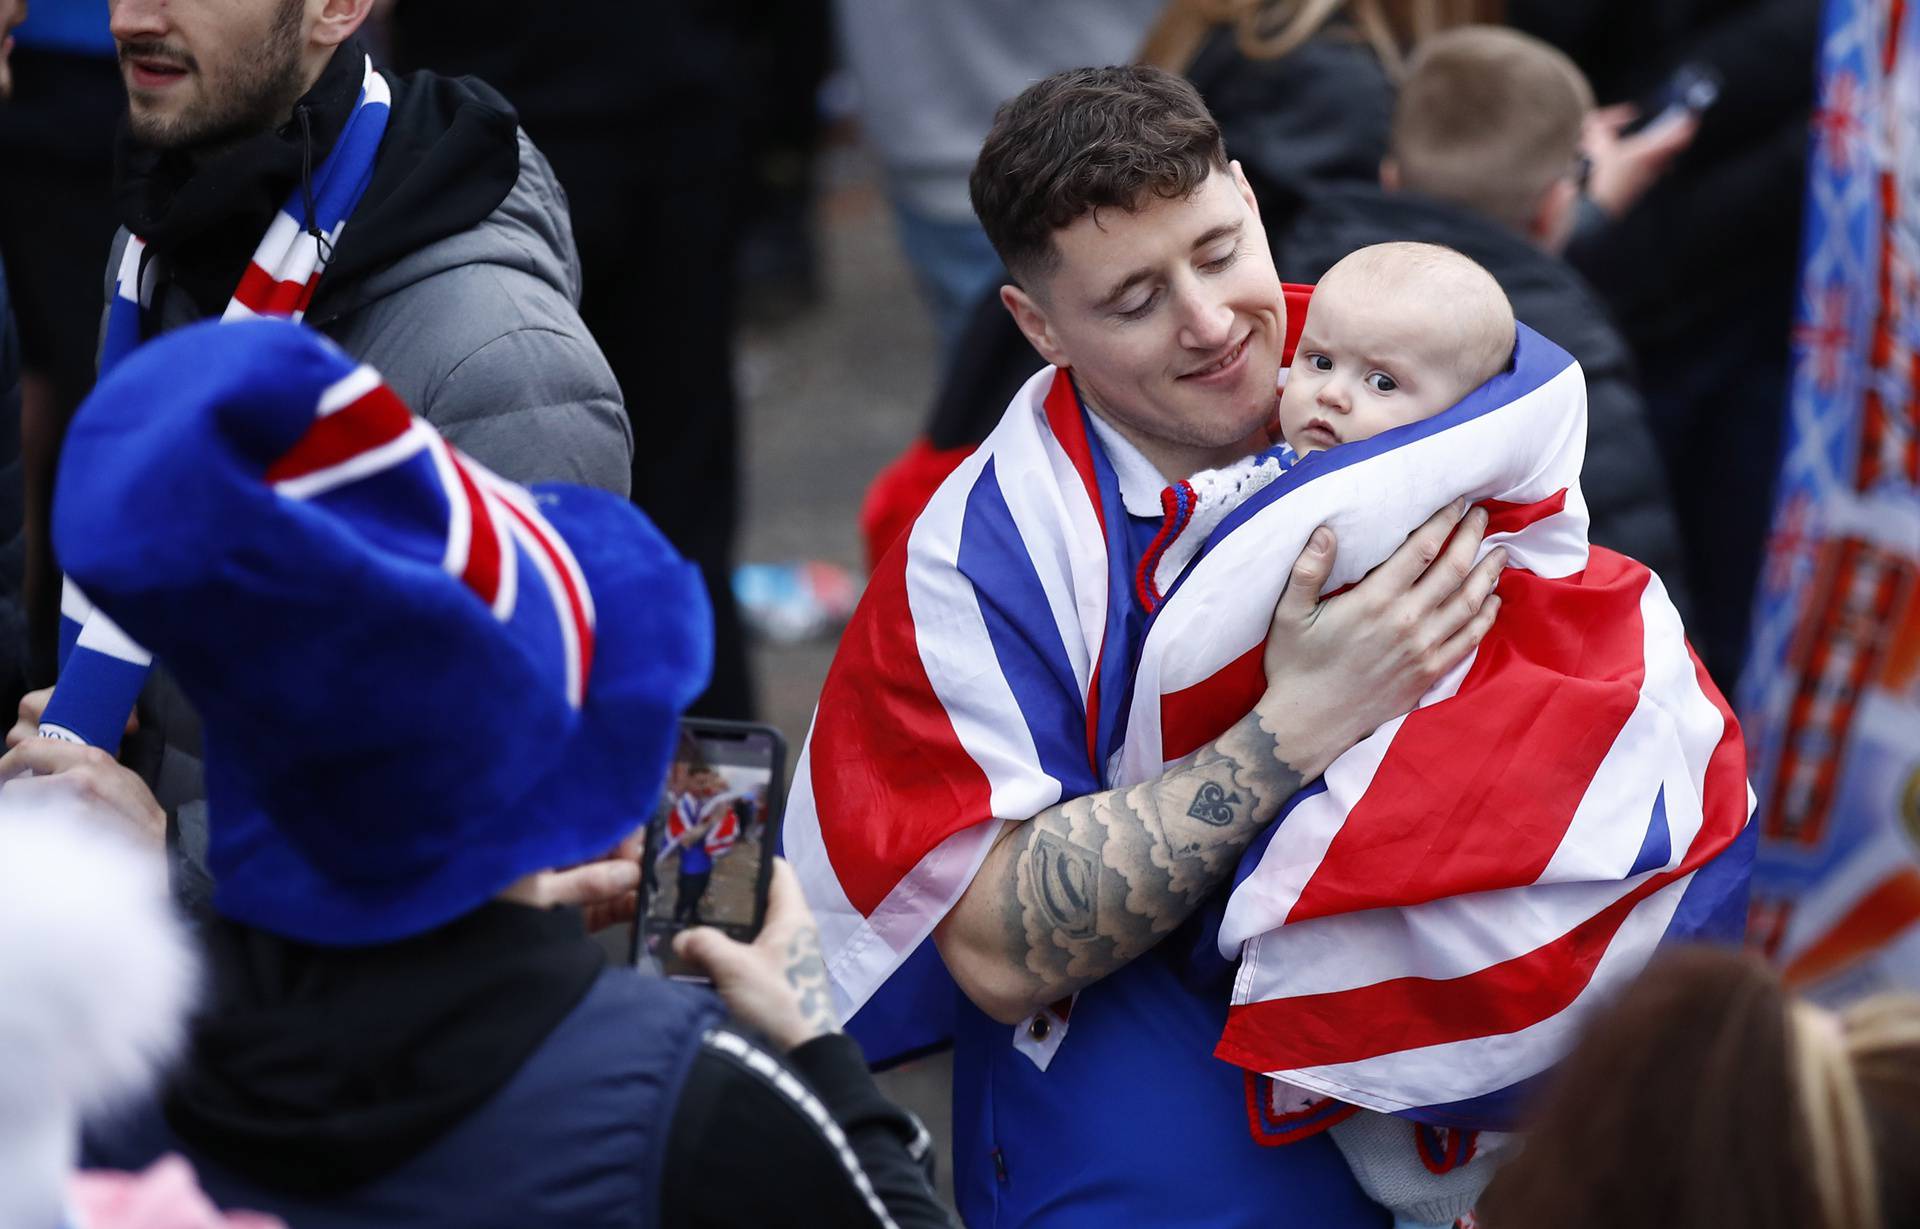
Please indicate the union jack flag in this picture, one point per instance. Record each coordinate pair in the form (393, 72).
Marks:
(1831, 688)
(1423, 930)
(687, 812)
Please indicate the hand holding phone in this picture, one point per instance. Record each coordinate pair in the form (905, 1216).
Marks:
(778, 983)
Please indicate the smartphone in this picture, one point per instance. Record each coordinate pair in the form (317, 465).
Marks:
(1692, 89)
(708, 855)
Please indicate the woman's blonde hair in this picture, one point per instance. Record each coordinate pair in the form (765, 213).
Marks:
(1851, 1069)
(1269, 29)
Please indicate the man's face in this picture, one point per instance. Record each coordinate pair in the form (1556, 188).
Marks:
(1172, 320)
(1365, 363)
(12, 13)
(207, 72)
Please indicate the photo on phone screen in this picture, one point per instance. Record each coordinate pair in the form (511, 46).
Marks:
(710, 840)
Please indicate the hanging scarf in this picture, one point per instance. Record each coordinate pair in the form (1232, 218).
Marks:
(101, 668)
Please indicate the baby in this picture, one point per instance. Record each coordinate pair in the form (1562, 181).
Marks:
(1395, 333)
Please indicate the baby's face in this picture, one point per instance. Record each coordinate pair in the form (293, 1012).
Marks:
(1366, 362)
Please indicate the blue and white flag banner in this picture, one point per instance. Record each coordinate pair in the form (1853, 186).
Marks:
(1831, 694)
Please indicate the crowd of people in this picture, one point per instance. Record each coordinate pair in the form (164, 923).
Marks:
(1282, 749)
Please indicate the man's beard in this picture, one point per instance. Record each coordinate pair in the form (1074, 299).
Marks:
(255, 97)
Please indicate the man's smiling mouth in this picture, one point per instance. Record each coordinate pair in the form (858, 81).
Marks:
(1224, 361)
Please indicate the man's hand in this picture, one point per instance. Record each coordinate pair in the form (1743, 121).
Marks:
(86, 777)
(1624, 167)
(33, 706)
(1090, 884)
(1339, 669)
(605, 890)
(778, 983)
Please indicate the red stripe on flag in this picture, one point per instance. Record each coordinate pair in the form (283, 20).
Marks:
(1194, 716)
(1477, 790)
(259, 293)
(376, 419)
(576, 609)
(1296, 297)
(1408, 1013)
(1503, 517)
(482, 572)
(1063, 416)
(1070, 429)
(890, 778)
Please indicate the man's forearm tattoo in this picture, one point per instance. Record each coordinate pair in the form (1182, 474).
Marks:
(1066, 874)
(1100, 879)
(807, 973)
(1213, 804)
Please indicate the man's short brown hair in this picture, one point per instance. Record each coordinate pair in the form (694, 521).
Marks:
(1086, 139)
(1488, 118)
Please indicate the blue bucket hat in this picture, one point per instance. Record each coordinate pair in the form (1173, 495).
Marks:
(419, 681)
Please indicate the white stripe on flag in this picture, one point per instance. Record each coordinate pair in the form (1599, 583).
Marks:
(74, 604)
(103, 635)
(348, 389)
(1459, 1070)
(361, 465)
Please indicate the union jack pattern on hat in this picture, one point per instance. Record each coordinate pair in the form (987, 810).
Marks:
(418, 681)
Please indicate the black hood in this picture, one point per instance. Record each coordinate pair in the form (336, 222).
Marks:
(449, 157)
(313, 1070)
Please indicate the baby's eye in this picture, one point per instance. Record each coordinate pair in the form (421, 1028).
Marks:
(1319, 362)
(1381, 382)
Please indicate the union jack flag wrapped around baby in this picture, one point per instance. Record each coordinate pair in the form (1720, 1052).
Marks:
(1423, 930)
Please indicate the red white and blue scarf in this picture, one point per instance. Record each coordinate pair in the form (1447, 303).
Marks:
(101, 668)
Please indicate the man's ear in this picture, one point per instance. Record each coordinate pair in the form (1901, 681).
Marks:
(336, 20)
(1554, 217)
(1246, 189)
(1389, 174)
(1033, 322)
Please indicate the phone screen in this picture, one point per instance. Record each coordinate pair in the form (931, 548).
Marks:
(710, 840)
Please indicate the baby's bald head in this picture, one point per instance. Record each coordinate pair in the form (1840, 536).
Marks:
(1459, 306)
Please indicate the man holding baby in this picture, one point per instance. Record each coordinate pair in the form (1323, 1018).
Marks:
(1140, 266)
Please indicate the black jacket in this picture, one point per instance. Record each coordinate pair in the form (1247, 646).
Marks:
(491, 1072)
(1625, 486)
(13, 625)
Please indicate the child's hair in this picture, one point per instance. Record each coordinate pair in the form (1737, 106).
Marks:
(1488, 118)
(1459, 290)
(1709, 1096)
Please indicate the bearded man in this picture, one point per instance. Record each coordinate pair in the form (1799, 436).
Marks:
(266, 168)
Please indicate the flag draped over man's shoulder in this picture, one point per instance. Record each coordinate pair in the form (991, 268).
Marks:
(101, 669)
(980, 681)
(1831, 691)
(1426, 927)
